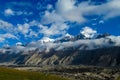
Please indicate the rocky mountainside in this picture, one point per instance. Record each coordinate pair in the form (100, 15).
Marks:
(99, 57)
(102, 50)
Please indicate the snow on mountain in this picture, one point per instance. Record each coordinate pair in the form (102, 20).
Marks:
(46, 40)
(18, 44)
(68, 35)
(88, 32)
(64, 38)
(67, 42)
(103, 35)
(81, 44)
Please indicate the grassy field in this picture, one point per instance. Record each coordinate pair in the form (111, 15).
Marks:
(118, 78)
(12, 74)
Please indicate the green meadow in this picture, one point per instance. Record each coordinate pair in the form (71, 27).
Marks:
(12, 74)
(118, 78)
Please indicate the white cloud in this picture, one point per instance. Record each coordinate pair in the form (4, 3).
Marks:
(33, 33)
(51, 18)
(88, 32)
(84, 44)
(24, 29)
(8, 35)
(23, 13)
(8, 28)
(34, 23)
(54, 29)
(108, 10)
(8, 12)
(3, 37)
(4, 24)
(66, 10)
(65, 5)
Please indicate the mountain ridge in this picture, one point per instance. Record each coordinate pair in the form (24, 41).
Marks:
(101, 51)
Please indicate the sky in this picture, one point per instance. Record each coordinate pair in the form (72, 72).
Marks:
(32, 20)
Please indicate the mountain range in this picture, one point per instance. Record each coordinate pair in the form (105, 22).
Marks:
(99, 49)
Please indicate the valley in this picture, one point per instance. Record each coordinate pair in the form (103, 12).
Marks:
(79, 72)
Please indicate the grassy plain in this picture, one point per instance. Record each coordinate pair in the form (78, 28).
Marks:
(12, 74)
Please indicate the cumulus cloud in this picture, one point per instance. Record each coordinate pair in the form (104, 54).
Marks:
(51, 17)
(15, 31)
(5, 24)
(8, 35)
(65, 5)
(107, 10)
(74, 13)
(54, 29)
(33, 34)
(8, 28)
(27, 31)
(3, 37)
(23, 13)
(23, 28)
(110, 9)
(8, 12)
(66, 10)
(11, 12)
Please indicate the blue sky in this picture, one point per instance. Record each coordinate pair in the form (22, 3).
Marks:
(31, 20)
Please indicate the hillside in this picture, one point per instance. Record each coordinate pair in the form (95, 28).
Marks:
(98, 57)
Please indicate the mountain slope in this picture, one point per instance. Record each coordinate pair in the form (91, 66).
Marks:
(103, 51)
(101, 57)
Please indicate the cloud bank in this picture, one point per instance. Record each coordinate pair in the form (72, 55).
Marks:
(83, 44)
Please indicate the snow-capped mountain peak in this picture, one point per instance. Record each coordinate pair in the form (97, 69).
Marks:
(46, 40)
(68, 35)
(18, 44)
(88, 32)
